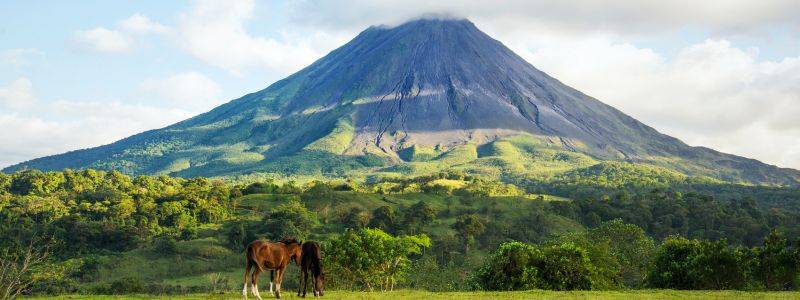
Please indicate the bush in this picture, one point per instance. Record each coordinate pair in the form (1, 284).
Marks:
(372, 258)
(621, 253)
(520, 266)
(261, 188)
(693, 264)
(237, 236)
(778, 263)
(165, 245)
(130, 285)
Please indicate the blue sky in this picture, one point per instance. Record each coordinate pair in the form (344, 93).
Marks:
(77, 74)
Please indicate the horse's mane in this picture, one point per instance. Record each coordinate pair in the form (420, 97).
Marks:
(289, 241)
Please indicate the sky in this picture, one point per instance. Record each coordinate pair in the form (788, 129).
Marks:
(723, 74)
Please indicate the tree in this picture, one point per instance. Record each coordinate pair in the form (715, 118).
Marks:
(511, 267)
(35, 182)
(467, 227)
(418, 216)
(629, 245)
(16, 267)
(372, 257)
(237, 236)
(778, 264)
(290, 219)
(268, 187)
(355, 218)
(384, 218)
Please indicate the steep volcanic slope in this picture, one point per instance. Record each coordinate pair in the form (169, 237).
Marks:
(426, 84)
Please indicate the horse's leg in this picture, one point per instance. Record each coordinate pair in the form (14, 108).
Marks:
(246, 272)
(271, 281)
(300, 283)
(255, 282)
(303, 282)
(278, 280)
(304, 275)
(314, 284)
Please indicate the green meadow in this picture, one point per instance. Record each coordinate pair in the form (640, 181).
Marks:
(535, 294)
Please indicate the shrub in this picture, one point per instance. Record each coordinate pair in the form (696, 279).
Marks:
(165, 245)
(237, 236)
(130, 285)
(778, 266)
(372, 258)
(680, 263)
(261, 188)
(520, 266)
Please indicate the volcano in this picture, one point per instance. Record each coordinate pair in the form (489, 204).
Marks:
(398, 95)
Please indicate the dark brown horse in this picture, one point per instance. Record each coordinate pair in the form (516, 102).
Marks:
(311, 261)
(275, 257)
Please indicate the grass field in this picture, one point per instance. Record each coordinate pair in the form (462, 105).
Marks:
(408, 294)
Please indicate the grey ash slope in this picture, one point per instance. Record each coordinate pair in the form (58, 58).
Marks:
(426, 83)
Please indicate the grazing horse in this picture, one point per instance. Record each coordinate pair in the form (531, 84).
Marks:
(311, 261)
(275, 257)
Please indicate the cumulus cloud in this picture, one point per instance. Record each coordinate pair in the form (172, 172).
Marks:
(55, 127)
(17, 94)
(102, 40)
(214, 32)
(708, 94)
(191, 90)
(622, 16)
(19, 57)
(141, 24)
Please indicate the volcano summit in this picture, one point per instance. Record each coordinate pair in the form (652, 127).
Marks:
(426, 94)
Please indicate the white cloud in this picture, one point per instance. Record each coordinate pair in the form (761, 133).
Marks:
(621, 16)
(59, 126)
(19, 57)
(141, 24)
(17, 94)
(214, 32)
(711, 94)
(102, 40)
(191, 91)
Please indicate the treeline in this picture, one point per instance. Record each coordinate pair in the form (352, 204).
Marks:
(617, 255)
(429, 232)
(89, 211)
(664, 212)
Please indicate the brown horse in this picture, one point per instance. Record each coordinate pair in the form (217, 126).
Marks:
(311, 261)
(275, 257)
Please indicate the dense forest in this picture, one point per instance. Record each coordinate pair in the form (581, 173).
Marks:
(104, 232)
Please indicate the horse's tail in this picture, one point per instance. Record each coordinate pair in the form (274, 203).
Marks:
(250, 257)
(247, 266)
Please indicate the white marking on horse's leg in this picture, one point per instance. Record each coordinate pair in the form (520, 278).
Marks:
(255, 291)
(244, 290)
(271, 292)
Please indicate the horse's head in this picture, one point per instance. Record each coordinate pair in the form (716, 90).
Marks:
(294, 248)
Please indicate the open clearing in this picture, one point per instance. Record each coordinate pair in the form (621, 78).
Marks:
(537, 294)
